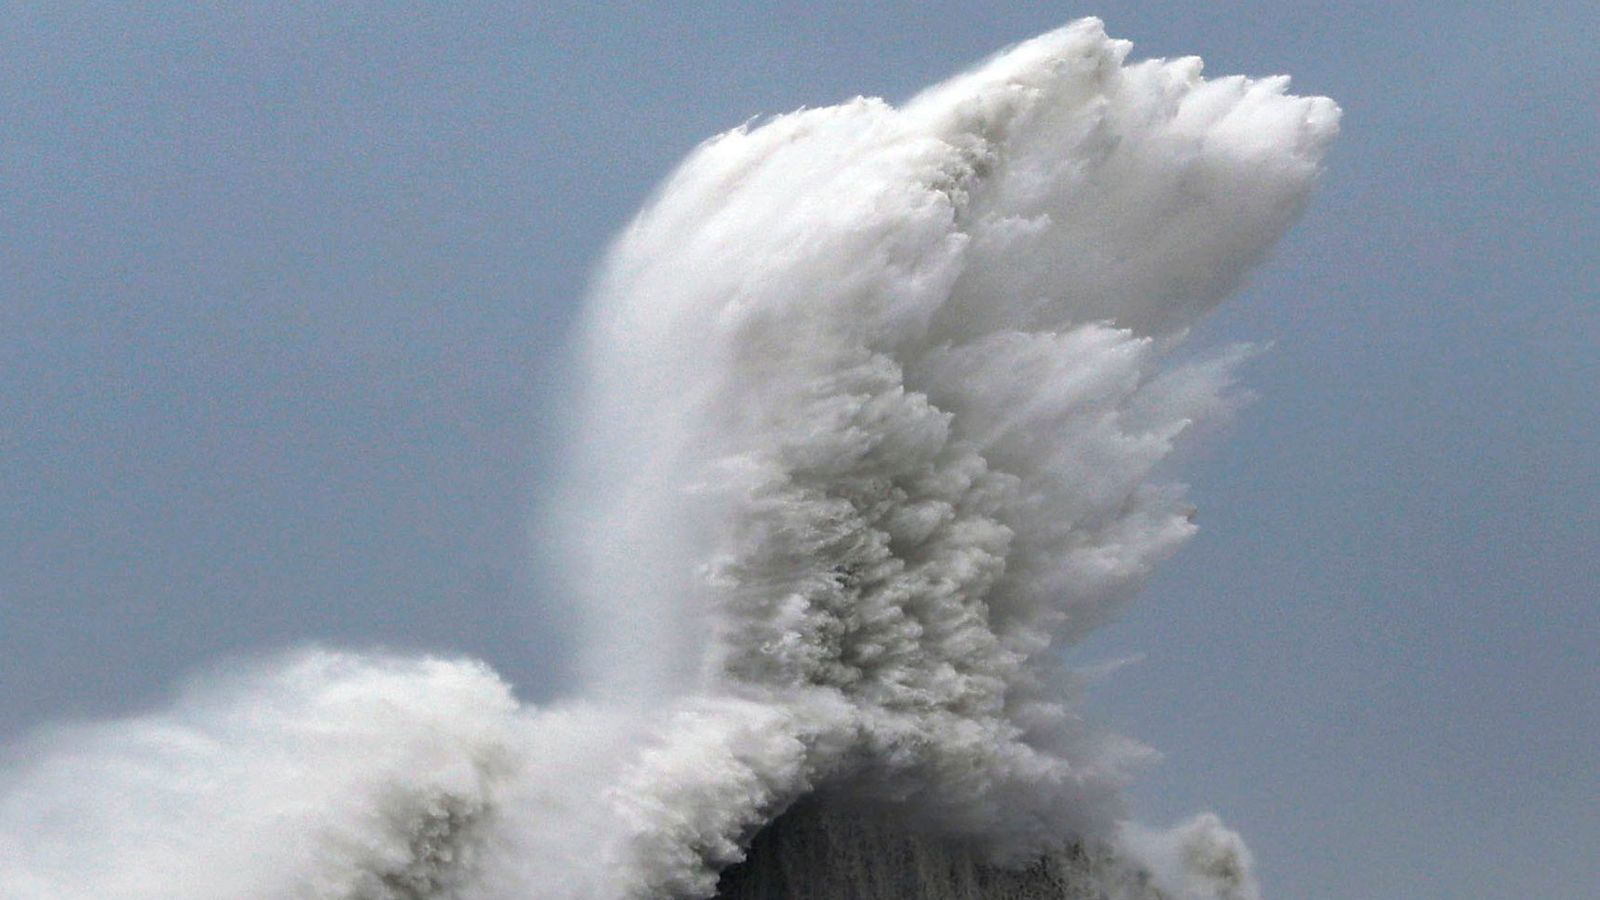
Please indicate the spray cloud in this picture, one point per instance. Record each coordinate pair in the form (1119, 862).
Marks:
(876, 405)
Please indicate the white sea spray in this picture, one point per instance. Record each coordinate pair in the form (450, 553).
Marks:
(876, 410)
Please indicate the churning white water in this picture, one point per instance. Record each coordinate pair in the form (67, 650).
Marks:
(877, 400)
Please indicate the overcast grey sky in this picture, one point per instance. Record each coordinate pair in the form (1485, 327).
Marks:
(284, 293)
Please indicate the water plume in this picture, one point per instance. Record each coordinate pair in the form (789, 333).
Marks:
(877, 402)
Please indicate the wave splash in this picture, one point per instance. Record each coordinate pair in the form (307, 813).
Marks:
(877, 404)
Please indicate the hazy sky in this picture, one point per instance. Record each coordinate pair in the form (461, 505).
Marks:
(283, 301)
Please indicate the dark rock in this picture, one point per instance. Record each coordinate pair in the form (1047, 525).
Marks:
(814, 852)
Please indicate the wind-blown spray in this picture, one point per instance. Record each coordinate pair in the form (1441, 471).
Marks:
(876, 401)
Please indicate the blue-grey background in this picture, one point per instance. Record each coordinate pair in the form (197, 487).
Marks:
(284, 292)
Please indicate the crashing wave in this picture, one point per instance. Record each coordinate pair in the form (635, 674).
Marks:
(878, 399)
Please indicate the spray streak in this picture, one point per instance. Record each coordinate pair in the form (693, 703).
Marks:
(877, 398)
